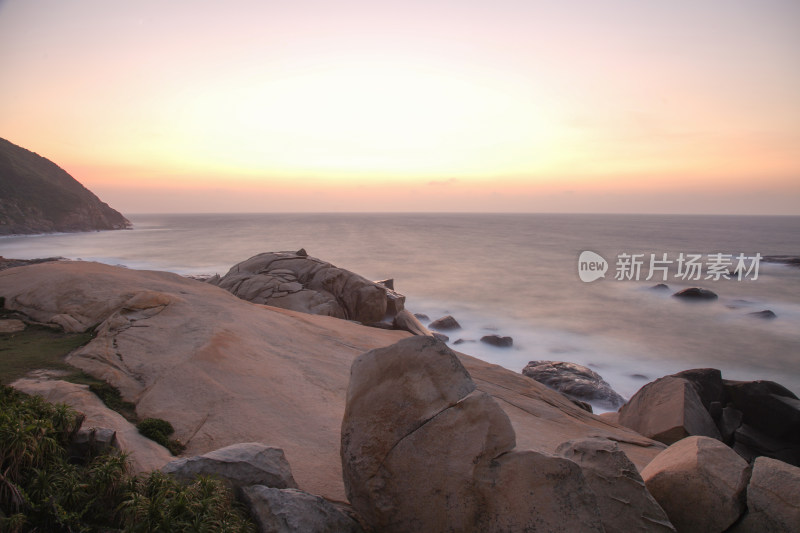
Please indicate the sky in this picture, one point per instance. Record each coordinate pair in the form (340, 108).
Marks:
(471, 105)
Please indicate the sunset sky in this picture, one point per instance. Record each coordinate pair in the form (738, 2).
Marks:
(438, 105)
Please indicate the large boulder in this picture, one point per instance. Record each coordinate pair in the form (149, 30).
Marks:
(292, 511)
(667, 410)
(768, 407)
(575, 381)
(293, 280)
(622, 498)
(424, 450)
(240, 465)
(773, 498)
(700, 483)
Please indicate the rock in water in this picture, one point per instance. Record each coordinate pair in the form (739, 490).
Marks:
(497, 340)
(304, 283)
(423, 450)
(700, 483)
(247, 463)
(696, 293)
(406, 321)
(445, 323)
(575, 381)
(37, 196)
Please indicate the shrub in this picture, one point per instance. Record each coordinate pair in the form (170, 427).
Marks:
(159, 431)
(40, 490)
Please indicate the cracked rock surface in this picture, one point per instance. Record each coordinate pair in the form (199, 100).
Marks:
(424, 450)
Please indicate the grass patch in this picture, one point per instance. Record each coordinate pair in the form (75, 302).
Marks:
(160, 430)
(35, 348)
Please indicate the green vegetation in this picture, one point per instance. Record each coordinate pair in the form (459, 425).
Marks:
(35, 348)
(160, 430)
(40, 490)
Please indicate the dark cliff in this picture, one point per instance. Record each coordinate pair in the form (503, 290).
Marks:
(38, 196)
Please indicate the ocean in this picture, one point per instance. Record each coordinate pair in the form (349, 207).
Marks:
(518, 275)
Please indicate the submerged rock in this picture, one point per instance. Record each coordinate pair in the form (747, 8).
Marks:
(696, 293)
(575, 381)
(766, 314)
(497, 340)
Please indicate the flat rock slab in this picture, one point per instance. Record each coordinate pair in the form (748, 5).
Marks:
(223, 371)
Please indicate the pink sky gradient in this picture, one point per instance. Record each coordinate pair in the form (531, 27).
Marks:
(574, 106)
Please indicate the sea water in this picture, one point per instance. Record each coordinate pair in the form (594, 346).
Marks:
(517, 275)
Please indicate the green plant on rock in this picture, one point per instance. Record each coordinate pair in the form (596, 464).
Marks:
(40, 490)
(159, 431)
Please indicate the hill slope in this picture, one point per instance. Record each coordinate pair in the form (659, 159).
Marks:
(38, 196)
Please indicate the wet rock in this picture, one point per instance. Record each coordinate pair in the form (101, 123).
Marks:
(422, 317)
(462, 341)
(700, 483)
(445, 323)
(575, 381)
(250, 463)
(660, 287)
(441, 336)
(292, 510)
(497, 340)
(766, 314)
(696, 293)
(622, 498)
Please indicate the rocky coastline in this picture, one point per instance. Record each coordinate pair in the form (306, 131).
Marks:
(328, 406)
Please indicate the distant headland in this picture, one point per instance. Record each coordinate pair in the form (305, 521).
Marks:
(38, 196)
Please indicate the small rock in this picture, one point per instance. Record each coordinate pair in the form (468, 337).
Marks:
(462, 341)
(388, 283)
(301, 252)
(638, 376)
(422, 317)
(445, 323)
(497, 340)
(441, 336)
(696, 293)
(292, 510)
(250, 463)
(766, 314)
(92, 441)
(406, 321)
(660, 287)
